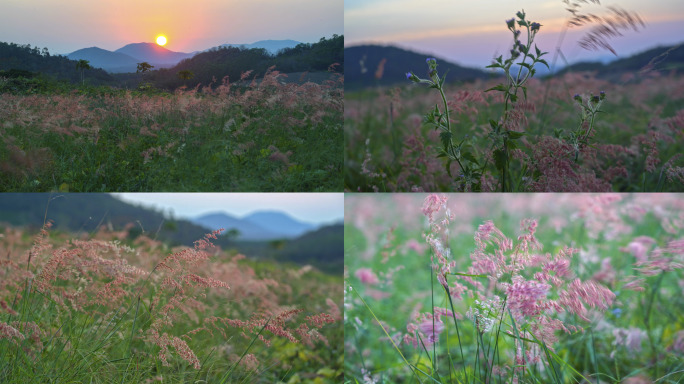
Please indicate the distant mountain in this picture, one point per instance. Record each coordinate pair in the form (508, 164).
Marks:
(661, 59)
(126, 59)
(25, 58)
(365, 60)
(272, 46)
(280, 223)
(248, 230)
(107, 60)
(260, 226)
(153, 54)
(86, 212)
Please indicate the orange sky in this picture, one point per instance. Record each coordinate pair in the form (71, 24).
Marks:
(67, 25)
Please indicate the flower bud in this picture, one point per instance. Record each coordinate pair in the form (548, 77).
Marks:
(510, 23)
(412, 77)
(578, 98)
(535, 27)
(603, 95)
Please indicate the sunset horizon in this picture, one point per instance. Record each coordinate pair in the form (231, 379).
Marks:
(473, 36)
(112, 25)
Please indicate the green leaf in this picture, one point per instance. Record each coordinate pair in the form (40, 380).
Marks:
(499, 87)
(469, 156)
(525, 88)
(499, 159)
(494, 124)
(544, 62)
(515, 134)
(537, 50)
(445, 136)
(448, 167)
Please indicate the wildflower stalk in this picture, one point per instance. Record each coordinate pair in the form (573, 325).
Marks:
(458, 334)
(413, 368)
(502, 139)
(579, 138)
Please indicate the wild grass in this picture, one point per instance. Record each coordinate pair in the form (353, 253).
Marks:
(535, 288)
(105, 309)
(262, 136)
(635, 144)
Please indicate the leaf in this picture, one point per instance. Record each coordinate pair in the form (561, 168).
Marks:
(445, 137)
(544, 62)
(499, 159)
(537, 50)
(525, 88)
(515, 134)
(448, 167)
(499, 87)
(494, 124)
(469, 156)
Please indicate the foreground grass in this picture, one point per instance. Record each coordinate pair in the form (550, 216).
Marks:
(105, 310)
(263, 136)
(636, 141)
(628, 244)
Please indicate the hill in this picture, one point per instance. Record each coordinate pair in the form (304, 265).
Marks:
(212, 66)
(37, 61)
(366, 60)
(660, 59)
(107, 60)
(153, 54)
(258, 226)
(86, 212)
(271, 46)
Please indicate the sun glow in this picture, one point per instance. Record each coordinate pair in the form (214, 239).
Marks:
(161, 40)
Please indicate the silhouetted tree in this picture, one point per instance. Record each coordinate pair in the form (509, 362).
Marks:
(186, 75)
(82, 65)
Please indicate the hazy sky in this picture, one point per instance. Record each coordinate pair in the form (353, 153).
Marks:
(64, 26)
(472, 33)
(317, 208)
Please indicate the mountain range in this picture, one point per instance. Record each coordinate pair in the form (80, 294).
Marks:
(126, 59)
(258, 226)
(85, 213)
(396, 62)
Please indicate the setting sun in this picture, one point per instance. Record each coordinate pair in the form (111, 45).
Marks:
(161, 40)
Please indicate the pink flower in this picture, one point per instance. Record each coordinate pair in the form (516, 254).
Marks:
(367, 276)
(431, 328)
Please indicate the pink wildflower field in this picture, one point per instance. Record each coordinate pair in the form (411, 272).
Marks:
(533, 288)
(110, 309)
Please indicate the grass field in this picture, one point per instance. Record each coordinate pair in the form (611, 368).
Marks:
(262, 136)
(542, 288)
(635, 145)
(102, 308)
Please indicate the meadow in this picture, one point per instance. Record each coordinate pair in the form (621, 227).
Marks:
(572, 132)
(244, 135)
(636, 143)
(103, 308)
(524, 288)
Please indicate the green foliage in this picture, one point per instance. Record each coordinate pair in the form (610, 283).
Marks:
(24, 58)
(209, 68)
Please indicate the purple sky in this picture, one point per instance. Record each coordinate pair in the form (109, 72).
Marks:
(472, 34)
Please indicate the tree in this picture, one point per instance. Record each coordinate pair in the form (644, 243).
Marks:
(82, 65)
(186, 75)
(144, 67)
